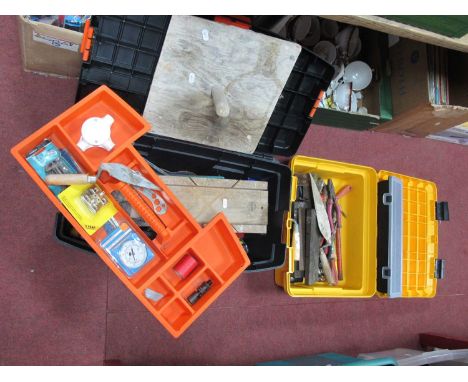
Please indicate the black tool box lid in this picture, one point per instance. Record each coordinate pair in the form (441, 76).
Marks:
(124, 55)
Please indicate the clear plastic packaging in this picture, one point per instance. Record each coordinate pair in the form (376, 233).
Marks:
(124, 246)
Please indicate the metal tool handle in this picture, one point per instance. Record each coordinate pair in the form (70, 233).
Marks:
(144, 211)
(67, 179)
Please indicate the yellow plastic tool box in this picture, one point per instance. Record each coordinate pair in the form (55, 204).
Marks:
(420, 264)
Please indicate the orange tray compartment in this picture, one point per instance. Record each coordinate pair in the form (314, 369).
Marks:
(218, 251)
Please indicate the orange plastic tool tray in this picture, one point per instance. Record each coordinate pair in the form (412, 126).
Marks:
(217, 249)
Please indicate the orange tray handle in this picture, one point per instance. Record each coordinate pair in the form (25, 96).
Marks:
(144, 211)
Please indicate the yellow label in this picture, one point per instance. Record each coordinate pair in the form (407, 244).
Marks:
(91, 222)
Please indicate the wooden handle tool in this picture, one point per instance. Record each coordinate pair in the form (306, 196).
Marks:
(67, 179)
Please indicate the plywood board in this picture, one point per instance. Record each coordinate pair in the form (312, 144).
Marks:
(198, 54)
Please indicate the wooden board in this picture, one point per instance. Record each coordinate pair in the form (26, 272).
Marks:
(244, 202)
(398, 29)
(198, 54)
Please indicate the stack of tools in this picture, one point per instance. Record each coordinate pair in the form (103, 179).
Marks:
(317, 222)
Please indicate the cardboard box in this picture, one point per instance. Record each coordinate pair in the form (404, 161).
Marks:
(413, 113)
(48, 49)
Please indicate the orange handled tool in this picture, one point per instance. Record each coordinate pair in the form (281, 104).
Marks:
(343, 192)
(146, 213)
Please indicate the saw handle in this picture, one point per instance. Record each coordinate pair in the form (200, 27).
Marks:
(144, 211)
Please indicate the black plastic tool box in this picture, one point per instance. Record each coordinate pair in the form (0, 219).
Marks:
(284, 133)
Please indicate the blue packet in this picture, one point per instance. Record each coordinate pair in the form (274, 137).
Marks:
(40, 157)
(47, 158)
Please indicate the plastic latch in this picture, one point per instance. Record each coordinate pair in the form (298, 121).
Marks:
(439, 269)
(85, 46)
(442, 211)
(386, 272)
(316, 104)
(387, 199)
